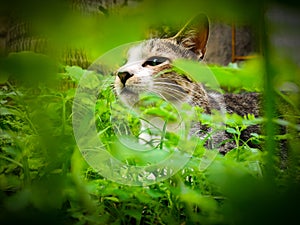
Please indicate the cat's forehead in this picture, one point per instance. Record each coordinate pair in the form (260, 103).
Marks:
(158, 47)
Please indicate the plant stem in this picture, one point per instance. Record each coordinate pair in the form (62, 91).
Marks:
(163, 135)
(11, 160)
(237, 142)
(269, 102)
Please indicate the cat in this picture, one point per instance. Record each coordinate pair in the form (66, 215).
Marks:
(149, 70)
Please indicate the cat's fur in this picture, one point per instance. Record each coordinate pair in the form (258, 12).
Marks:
(143, 72)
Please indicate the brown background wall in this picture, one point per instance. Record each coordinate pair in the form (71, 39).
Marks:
(219, 47)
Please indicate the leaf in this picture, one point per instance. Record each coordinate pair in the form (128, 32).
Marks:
(7, 111)
(114, 199)
(232, 131)
(154, 193)
(287, 124)
(3, 77)
(160, 112)
(198, 72)
(191, 196)
(74, 72)
(29, 67)
(11, 150)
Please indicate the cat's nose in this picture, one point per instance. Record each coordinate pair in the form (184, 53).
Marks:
(124, 76)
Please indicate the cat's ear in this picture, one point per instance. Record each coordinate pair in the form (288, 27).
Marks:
(194, 35)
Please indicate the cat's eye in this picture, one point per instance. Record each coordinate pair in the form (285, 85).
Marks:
(154, 61)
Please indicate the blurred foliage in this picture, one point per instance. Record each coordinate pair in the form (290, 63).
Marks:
(43, 177)
(62, 26)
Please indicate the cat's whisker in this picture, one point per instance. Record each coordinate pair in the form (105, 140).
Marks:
(175, 86)
(166, 81)
(170, 92)
(172, 88)
(159, 92)
(177, 96)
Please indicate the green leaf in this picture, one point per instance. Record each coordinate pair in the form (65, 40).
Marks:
(7, 111)
(198, 72)
(232, 131)
(154, 193)
(114, 199)
(160, 112)
(74, 72)
(29, 67)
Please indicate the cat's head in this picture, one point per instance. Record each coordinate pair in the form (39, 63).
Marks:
(147, 69)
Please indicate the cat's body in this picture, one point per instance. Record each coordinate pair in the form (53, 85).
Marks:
(148, 70)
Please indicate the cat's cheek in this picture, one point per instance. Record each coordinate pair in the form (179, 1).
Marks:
(118, 86)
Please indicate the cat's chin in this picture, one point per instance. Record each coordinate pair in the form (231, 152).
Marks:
(127, 92)
(128, 97)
